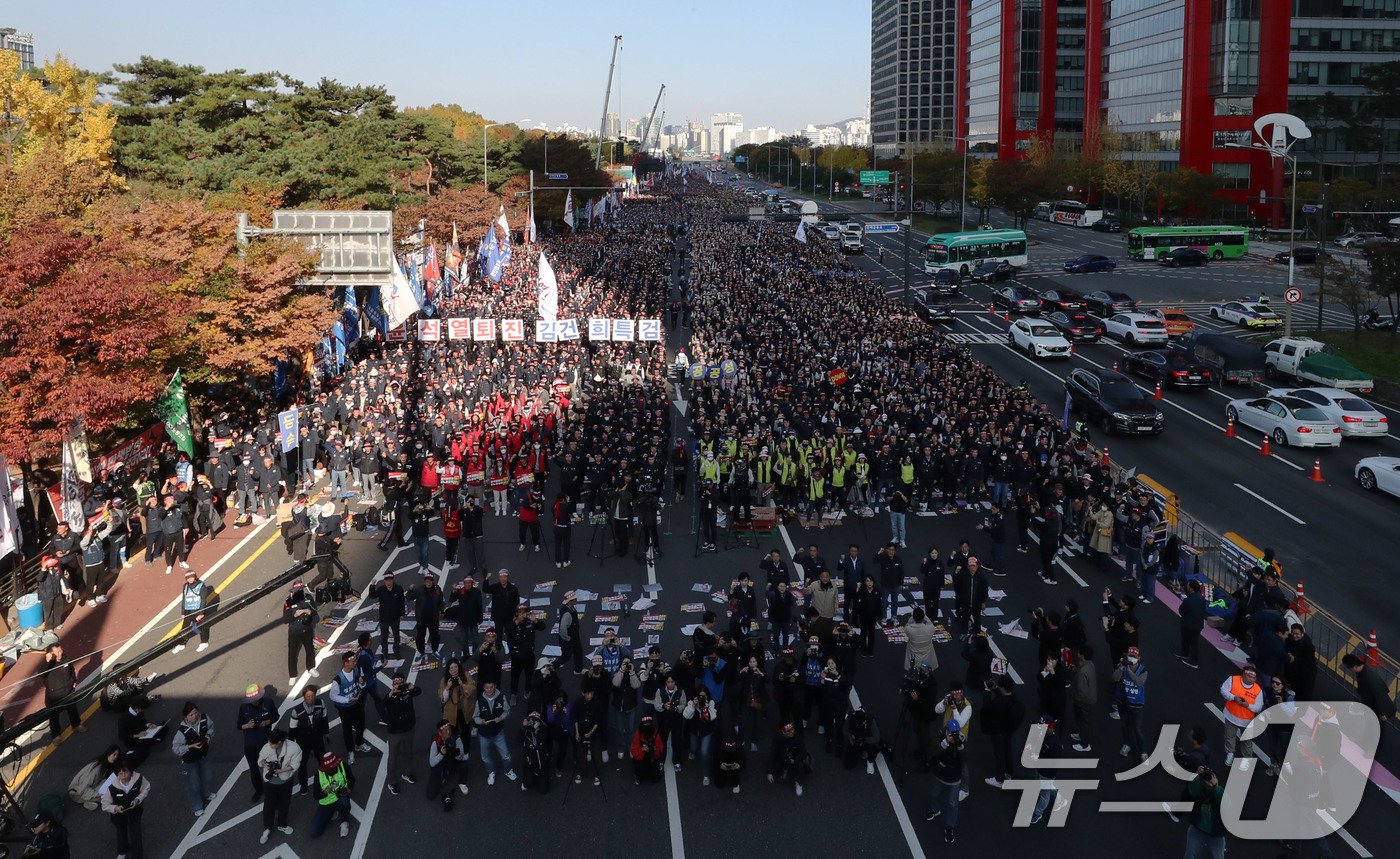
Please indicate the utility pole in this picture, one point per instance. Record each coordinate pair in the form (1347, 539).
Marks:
(607, 96)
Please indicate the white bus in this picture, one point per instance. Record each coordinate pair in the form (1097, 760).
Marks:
(1073, 213)
(961, 252)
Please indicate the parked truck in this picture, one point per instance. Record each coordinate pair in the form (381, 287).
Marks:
(1229, 359)
(1311, 361)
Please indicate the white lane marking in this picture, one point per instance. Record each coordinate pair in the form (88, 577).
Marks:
(906, 826)
(1270, 503)
(673, 806)
(1010, 669)
(196, 834)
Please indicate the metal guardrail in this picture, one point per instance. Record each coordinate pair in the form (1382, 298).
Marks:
(1226, 559)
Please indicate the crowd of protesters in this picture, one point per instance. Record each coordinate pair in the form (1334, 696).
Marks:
(843, 406)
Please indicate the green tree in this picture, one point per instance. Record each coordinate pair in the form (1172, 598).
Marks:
(1190, 193)
(1383, 260)
(1017, 186)
(1382, 81)
(1348, 286)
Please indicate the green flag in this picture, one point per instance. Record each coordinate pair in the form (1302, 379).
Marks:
(174, 409)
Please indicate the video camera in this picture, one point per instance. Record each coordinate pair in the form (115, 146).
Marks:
(915, 679)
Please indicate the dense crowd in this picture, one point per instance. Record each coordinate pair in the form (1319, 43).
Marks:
(838, 402)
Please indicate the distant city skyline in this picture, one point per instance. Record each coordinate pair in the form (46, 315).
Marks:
(709, 58)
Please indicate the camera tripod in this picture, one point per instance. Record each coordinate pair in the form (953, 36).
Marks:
(598, 539)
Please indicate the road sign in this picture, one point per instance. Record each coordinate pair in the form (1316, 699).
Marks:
(741, 159)
(558, 176)
(1309, 209)
(874, 177)
(1293, 295)
(882, 228)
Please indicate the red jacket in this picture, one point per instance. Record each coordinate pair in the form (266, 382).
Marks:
(655, 754)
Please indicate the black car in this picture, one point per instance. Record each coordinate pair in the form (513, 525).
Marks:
(1107, 302)
(1106, 225)
(993, 270)
(1113, 401)
(946, 281)
(1017, 299)
(1305, 255)
(1062, 299)
(1177, 257)
(931, 309)
(1169, 368)
(1076, 325)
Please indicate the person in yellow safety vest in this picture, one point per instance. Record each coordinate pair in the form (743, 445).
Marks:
(906, 476)
(816, 491)
(1244, 699)
(861, 488)
(333, 785)
(783, 469)
(709, 468)
(838, 486)
(705, 445)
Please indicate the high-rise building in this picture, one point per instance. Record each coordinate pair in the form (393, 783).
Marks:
(21, 43)
(612, 128)
(725, 129)
(634, 128)
(913, 93)
(1176, 83)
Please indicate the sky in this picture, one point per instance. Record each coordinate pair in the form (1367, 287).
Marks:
(538, 60)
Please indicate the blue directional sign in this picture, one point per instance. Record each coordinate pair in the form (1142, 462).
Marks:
(1308, 210)
(558, 176)
(882, 228)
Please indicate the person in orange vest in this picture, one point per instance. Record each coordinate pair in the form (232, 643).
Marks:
(499, 481)
(1244, 699)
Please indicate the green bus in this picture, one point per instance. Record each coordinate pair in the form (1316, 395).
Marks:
(1217, 242)
(962, 252)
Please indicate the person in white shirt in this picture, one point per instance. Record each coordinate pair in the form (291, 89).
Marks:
(280, 761)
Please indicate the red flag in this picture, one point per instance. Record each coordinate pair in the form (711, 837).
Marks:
(432, 274)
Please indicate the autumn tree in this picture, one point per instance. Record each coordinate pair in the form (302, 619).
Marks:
(1383, 263)
(242, 311)
(1347, 285)
(1017, 186)
(1187, 192)
(57, 143)
(82, 332)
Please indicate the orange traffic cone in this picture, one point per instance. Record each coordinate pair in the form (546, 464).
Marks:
(991, 308)
(1006, 317)
(1316, 476)
(1157, 394)
(1071, 347)
(1264, 449)
(1373, 651)
(1300, 602)
(1230, 428)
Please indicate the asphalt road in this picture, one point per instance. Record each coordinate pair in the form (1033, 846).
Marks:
(1334, 535)
(842, 811)
(881, 813)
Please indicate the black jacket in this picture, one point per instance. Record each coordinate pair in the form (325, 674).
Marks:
(391, 601)
(1002, 714)
(1193, 612)
(399, 710)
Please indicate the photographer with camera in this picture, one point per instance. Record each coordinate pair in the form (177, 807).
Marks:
(789, 759)
(333, 783)
(279, 762)
(534, 744)
(919, 691)
(949, 764)
(648, 751)
(529, 513)
(832, 705)
(447, 764)
(299, 613)
(1205, 834)
(956, 707)
(860, 737)
(624, 706)
(492, 709)
(400, 717)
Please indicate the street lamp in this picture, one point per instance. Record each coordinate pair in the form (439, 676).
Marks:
(485, 186)
(1279, 148)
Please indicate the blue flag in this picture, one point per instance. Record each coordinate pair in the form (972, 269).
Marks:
(493, 254)
(374, 312)
(287, 425)
(350, 317)
(338, 335)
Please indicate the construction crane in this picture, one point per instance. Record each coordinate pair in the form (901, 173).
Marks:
(607, 96)
(646, 135)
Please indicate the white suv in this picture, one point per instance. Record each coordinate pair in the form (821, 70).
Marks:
(1351, 240)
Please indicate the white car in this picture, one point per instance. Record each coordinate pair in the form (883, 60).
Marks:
(1355, 416)
(1247, 314)
(1038, 339)
(1286, 420)
(1379, 472)
(1137, 329)
(1354, 239)
(831, 232)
